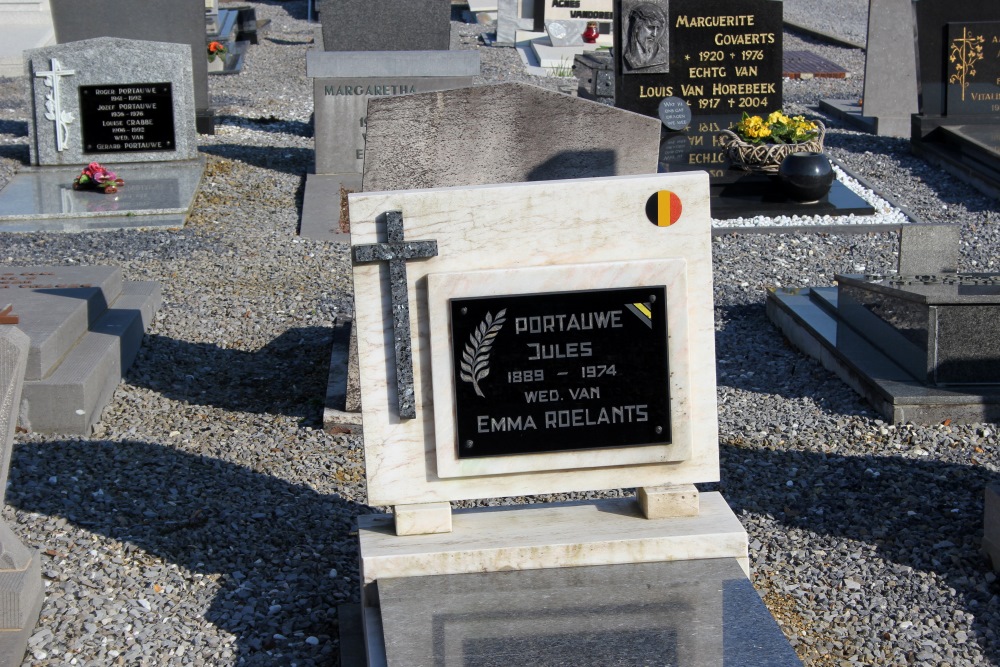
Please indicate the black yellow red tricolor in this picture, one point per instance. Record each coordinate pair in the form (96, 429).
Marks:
(663, 208)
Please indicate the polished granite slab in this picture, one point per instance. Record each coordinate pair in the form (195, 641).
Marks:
(157, 194)
(736, 193)
(808, 319)
(689, 613)
(751, 195)
(939, 328)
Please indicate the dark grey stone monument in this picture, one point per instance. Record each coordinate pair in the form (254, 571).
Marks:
(177, 21)
(20, 576)
(919, 348)
(942, 329)
(421, 141)
(890, 92)
(110, 99)
(595, 73)
(386, 25)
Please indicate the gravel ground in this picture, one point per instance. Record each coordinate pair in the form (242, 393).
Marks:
(208, 520)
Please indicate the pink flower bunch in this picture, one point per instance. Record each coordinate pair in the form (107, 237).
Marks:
(96, 177)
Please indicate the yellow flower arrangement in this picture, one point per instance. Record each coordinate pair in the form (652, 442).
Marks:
(777, 129)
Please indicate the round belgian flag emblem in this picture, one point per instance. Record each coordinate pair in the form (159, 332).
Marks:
(663, 208)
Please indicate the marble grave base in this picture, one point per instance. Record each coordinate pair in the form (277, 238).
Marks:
(584, 583)
(155, 194)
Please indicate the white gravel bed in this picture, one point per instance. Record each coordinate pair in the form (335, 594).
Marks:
(210, 520)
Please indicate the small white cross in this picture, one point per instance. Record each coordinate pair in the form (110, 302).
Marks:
(53, 103)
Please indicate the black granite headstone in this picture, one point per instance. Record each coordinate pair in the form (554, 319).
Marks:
(933, 45)
(722, 57)
(941, 329)
(958, 46)
(560, 371)
(973, 69)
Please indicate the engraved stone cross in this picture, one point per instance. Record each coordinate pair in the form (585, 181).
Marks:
(396, 251)
(53, 102)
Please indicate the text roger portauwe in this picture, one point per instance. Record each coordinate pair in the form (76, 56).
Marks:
(542, 327)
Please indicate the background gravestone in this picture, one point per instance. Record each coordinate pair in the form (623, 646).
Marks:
(890, 92)
(688, 49)
(386, 25)
(343, 82)
(933, 17)
(175, 21)
(421, 141)
(20, 576)
(109, 99)
(958, 127)
(513, 15)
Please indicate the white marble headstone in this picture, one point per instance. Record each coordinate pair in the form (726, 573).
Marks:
(531, 238)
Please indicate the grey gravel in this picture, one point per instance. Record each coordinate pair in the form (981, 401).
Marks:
(209, 519)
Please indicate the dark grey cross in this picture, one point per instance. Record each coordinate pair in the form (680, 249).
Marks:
(396, 251)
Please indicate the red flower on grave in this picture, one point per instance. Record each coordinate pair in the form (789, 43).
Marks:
(216, 50)
(96, 177)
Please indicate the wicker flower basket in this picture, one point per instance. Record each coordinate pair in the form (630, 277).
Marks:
(766, 158)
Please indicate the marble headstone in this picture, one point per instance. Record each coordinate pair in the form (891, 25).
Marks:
(510, 241)
(385, 25)
(173, 21)
(111, 100)
(601, 11)
(20, 576)
(421, 141)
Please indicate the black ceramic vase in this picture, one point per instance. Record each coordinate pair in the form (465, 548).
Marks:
(805, 177)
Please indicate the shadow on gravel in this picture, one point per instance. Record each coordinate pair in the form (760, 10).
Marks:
(752, 355)
(288, 160)
(926, 515)
(16, 128)
(273, 124)
(17, 152)
(273, 545)
(287, 376)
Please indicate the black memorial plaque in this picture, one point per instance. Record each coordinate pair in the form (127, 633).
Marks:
(933, 17)
(722, 57)
(973, 68)
(560, 371)
(126, 118)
